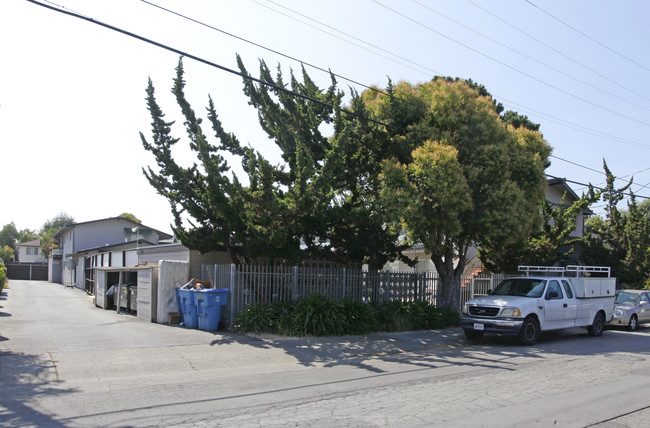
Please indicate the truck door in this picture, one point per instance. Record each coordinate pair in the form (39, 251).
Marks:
(572, 304)
(559, 309)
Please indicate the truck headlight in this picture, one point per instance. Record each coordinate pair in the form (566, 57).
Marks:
(511, 312)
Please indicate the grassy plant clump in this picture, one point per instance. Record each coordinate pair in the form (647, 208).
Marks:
(395, 316)
(256, 318)
(318, 315)
(361, 317)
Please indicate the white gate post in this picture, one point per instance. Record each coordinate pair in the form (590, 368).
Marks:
(471, 287)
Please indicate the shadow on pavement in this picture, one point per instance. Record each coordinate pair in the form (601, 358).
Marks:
(22, 379)
(435, 348)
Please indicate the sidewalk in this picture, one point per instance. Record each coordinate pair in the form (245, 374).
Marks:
(342, 347)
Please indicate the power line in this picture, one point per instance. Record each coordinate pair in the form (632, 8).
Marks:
(497, 97)
(559, 52)
(198, 59)
(575, 126)
(343, 32)
(350, 42)
(511, 67)
(597, 188)
(576, 164)
(525, 55)
(196, 21)
(202, 60)
(601, 172)
(587, 36)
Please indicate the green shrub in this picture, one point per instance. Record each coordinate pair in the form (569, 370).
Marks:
(394, 316)
(284, 323)
(319, 316)
(257, 318)
(441, 317)
(420, 315)
(361, 317)
(3, 275)
(450, 317)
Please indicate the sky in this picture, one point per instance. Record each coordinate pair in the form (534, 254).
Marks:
(72, 93)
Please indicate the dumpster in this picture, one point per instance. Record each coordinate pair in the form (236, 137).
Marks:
(124, 297)
(188, 308)
(208, 305)
(133, 298)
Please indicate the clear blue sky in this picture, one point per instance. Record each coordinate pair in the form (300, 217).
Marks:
(72, 94)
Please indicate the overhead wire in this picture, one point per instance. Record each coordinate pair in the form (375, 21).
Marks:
(577, 164)
(345, 34)
(568, 57)
(511, 67)
(595, 187)
(565, 123)
(348, 41)
(587, 35)
(519, 106)
(196, 21)
(62, 10)
(622, 177)
(531, 58)
(201, 60)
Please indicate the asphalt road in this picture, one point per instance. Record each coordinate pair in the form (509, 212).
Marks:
(64, 362)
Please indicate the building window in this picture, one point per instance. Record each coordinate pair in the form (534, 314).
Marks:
(32, 251)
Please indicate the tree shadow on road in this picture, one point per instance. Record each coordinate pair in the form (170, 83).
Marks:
(423, 349)
(23, 379)
(437, 348)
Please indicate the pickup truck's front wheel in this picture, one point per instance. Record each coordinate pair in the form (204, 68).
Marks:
(473, 334)
(598, 326)
(529, 332)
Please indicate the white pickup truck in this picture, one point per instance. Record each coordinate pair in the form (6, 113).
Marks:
(528, 305)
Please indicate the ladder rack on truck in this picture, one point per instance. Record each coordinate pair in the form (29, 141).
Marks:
(572, 270)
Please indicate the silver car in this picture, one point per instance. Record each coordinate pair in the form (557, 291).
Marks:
(631, 308)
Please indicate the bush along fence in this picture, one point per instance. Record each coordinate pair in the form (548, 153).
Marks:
(252, 284)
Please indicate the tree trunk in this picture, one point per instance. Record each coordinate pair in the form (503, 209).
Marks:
(449, 279)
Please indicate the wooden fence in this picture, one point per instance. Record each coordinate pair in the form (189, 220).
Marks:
(250, 284)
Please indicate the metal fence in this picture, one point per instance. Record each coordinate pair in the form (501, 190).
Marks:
(249, 284)
(27, 271)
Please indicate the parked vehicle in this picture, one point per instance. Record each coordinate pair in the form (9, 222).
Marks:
(631, 308)
(528, 305)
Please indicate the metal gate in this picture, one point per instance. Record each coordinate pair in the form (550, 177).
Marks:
(27, 271)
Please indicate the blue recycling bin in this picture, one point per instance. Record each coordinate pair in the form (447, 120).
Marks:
(208, 305)
(179, 304)
(188, 308)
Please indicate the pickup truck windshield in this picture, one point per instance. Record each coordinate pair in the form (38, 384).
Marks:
(523, 287)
